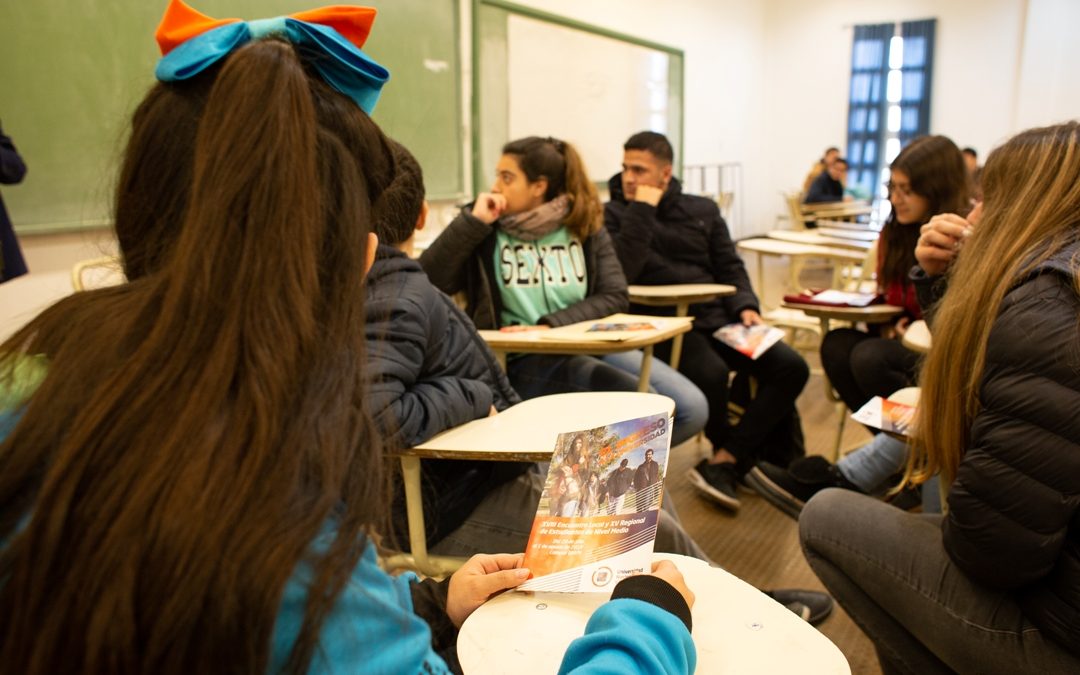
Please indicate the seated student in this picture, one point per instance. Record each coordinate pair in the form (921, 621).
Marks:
(926, 178)
(430, 372)
(872, 468)
(193, 485)
(819, 167)
(663, 236)
(994, 586)
(829, 184)
(533, 254)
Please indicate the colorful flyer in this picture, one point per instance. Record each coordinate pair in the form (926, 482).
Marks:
(890, 416)
(597, 518)
(753, 341)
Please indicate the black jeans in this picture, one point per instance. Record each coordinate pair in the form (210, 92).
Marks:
(861, 366)
(769, 429)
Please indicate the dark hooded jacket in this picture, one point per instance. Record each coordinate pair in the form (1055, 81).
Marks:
(682, 240)
(429, 372)
(1014, 509)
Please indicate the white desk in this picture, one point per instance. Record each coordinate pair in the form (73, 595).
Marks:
(681, 296)
(917, 338)
(536, 342)
(862, 234)
(775, 247)
(23, 298)
(737, 629)
(525, 432)
(817, 238)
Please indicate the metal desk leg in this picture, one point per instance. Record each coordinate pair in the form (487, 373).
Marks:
(681, 310)
(500, 356)
(646, 367)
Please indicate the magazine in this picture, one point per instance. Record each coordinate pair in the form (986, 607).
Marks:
(614, 328)
(596, 522)
(753, 341)
(834, 298)
(890, 416)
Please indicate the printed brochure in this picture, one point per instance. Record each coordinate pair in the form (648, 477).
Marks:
(753, 341)
(597, 518)
(890, 416)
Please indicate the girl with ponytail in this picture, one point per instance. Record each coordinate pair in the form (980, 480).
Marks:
(188, 479)
(533, 254)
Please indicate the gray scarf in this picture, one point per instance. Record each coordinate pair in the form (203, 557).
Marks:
(536, 223)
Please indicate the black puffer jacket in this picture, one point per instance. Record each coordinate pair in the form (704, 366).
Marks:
(1014, 510)
(429, 372)
(462, 258)
(683, 240)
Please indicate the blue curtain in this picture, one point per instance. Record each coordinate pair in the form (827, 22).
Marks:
(866, 107)
(917, 70)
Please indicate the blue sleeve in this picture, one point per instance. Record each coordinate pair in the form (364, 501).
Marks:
(371, 629)
(631, 636)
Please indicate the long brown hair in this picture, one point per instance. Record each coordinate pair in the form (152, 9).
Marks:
(560, 163)
(1031, 210)
(201, 425)
(936, 169)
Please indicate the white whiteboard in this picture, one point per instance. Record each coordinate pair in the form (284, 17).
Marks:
(541, 75)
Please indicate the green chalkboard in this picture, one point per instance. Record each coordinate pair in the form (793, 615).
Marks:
(72, 71)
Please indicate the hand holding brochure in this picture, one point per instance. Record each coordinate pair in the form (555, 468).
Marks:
(596, 522)
(753, 341)
(890, 416)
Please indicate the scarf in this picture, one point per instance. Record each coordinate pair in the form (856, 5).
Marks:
(536, 223)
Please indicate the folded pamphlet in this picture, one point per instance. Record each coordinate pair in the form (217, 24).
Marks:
(889, 416)
(753, 341)
(834, 298)
(596, 522)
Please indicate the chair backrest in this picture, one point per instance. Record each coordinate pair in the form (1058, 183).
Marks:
(863, 279)
(97, 273)
(793, 200)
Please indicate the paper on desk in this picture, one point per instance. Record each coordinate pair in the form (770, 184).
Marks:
(596, 522)
(881, 413)
(614, 328)
(834, 297)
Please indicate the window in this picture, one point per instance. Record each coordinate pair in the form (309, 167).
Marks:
(890, 98)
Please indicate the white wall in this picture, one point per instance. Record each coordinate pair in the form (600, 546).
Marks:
(1049, 72)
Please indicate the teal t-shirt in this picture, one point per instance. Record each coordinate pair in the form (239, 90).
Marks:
(537, 278)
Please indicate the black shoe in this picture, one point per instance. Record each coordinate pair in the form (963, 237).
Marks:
(717, 482)
(789, 489)
(818, 605)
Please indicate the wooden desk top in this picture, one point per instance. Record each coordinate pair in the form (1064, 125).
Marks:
(541, 341)
(818, 238)
(737, 629)
(673, 294)
(777, 247)
(868, 314)
(851, 208)
(528, 431)
(917, 338)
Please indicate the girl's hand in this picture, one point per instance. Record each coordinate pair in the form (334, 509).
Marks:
(481, 577)
(488, 207)
(941, 239)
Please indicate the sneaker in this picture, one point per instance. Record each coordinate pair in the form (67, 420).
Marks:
(812, 606)
(716, 482)
(789, 489)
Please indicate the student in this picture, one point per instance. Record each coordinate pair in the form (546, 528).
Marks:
(664, 236)
(992, 586)
(12, 170)
(429, 372)
(193, 485)
(927, 177)
(532, 254)
(829, 184)
(819, 167)
(873, 468)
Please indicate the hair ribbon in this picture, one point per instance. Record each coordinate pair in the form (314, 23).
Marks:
(191, 42)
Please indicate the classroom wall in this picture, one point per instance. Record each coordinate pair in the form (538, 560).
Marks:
(767, 83)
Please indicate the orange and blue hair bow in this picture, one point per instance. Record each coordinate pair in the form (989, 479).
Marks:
(191, 42)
